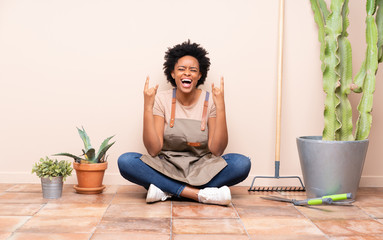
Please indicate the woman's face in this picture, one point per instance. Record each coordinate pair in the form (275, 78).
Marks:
(186, 73)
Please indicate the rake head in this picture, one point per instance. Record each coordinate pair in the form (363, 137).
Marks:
(277, 189)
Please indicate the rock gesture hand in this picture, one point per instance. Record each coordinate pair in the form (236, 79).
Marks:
(218, 95)
(149, 94)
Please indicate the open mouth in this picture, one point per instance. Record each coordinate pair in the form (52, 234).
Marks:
(186, 82)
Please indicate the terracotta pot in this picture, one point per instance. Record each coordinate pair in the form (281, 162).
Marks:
(90, 177)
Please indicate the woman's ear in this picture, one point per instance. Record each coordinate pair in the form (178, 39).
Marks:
(172, 73)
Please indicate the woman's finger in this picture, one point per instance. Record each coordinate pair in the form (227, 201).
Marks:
(146, 83)
(222, 84)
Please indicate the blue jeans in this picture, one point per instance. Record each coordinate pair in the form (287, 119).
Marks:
(136, 171)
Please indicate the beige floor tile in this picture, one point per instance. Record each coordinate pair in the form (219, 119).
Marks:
(23, 212)
(158, 210)
(131, 189)
(72, 197)
(374, 212)
(130, 198)
(268, 211)
(207, 226)
(349, 227)
(203, 211)
(210, 237)
(110, 189)
(11, 223)
(365, 237)
(368, 200)
(333, 212)
(73, 210)
(27, 188)
(50, 236)
(239, 190)
(12, 197)
(5, 235)
(130, 236)
(256, 200)
(5, 186)
(369, 191)
(36, 188)
(289, 227)
(282, 236)
(296, 195)
(185, 201)
(49, 224)
(136, 225)
(19, 209)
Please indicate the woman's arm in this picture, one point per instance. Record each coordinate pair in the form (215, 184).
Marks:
(153, 128)
(218, 137)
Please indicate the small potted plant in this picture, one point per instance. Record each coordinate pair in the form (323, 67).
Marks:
(90, 166)
(52, 174)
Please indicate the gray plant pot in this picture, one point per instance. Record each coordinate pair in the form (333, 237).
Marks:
(52, 189)
(331, 167)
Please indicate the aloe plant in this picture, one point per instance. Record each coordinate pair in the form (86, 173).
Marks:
(89, 153)
(336, 57)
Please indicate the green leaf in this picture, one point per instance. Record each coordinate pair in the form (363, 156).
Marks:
(76, 158)
(103, 151)
(90, 155)
(85, 138)
(103, 145)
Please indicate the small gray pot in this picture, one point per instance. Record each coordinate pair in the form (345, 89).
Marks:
(331, 167)
(52, 188)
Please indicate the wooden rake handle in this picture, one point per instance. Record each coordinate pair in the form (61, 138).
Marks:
(279, 83)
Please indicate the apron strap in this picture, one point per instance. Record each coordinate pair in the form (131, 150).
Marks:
(173, 113)
(204, 113)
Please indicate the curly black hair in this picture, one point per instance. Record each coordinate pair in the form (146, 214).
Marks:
(186, 49)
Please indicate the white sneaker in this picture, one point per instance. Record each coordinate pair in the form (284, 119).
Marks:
(155, 194)
(220, 196)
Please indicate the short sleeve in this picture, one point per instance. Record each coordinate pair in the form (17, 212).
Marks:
(158, 108)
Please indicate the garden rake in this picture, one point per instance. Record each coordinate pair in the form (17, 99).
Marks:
(278, 128)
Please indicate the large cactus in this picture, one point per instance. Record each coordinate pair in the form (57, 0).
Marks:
(336, 60)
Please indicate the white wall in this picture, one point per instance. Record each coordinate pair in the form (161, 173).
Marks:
(83, 63)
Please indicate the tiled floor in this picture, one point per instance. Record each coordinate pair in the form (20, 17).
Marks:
(121, 213)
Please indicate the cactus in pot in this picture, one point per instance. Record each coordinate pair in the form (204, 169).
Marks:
(335, 54)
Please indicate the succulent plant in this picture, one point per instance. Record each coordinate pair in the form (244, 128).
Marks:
(335, 54)
(89, 153)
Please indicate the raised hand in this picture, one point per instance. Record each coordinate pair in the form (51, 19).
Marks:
(149, 94)
(218, 94)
